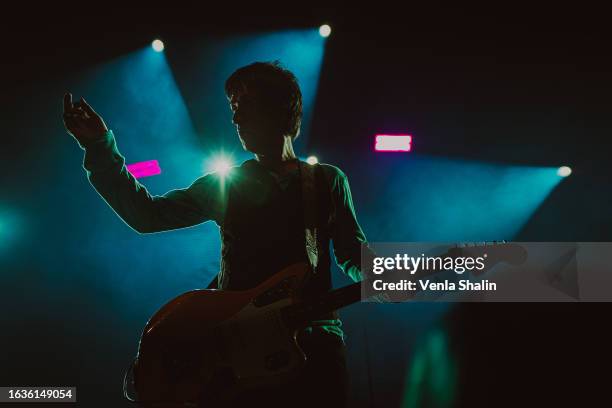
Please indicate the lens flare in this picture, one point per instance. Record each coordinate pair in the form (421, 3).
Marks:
(312, 160)
(221, 164)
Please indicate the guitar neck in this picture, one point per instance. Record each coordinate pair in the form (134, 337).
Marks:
(300, 314)
(311, 309)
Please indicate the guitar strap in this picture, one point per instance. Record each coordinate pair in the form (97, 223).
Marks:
(316, 197)
(311, 207)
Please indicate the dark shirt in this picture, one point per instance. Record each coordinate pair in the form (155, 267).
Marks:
(260, 214)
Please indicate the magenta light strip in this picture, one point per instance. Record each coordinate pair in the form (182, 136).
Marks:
(144, 169)
(393, 143)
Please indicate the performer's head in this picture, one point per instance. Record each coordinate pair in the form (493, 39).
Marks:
(266, 102)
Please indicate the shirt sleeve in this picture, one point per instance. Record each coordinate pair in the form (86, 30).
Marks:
(347, 236)
(143, 212)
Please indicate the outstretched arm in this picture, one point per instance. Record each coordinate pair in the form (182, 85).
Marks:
(107, 172)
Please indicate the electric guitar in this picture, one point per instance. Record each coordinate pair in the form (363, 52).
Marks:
(248, 337)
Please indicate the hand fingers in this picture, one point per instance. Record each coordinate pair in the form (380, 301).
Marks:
(74, 125)
(67, 102)
(77, 109)
(74, 110)
(71, 125)
(76, 114)
(87, 108)
(72, 119)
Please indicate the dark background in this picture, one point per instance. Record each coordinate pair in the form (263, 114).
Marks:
(515, 84)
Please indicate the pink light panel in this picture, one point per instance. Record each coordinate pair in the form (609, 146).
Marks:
(144, 169)
(393, 143)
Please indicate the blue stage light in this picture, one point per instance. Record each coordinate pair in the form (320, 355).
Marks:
(157, 45)
(564, 171)
(325, 30)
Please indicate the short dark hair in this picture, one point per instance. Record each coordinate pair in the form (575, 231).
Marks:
(278, 86)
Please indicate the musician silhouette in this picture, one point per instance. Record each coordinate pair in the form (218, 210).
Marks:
(260, 210)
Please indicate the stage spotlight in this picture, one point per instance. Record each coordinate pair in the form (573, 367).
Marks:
(564, 171)
(312, 160)
(221, 165)
(158, 45)
(324, 31)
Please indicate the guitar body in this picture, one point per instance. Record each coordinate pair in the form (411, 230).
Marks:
(207, 344)
(205, 340)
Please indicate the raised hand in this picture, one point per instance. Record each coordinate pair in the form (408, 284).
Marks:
(82, 122)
